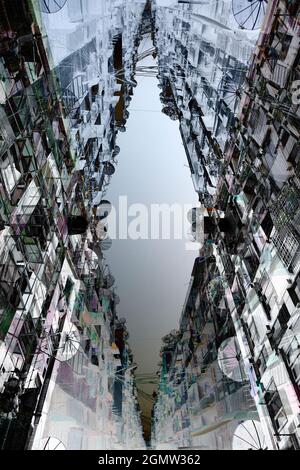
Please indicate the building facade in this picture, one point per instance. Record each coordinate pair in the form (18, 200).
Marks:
(60, 114)
(203, 61)
(250, 219)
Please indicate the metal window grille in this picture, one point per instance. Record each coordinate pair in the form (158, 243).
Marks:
(288, 248)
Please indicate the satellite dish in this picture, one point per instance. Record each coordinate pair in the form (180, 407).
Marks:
(171, 112)
(69, 342)
(52, 443)
(108, 169)
(116, 299)
(249, 14)
(51, 6)
(230, 90)
(104, 209)
(101, 231)
(106, 244)
(116, 150)
(195, 215)
(230, 360)
(249, 435)
(108, 281)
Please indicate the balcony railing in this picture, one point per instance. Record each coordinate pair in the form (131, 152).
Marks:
(275, 407)
(288, 247)
(5, 320)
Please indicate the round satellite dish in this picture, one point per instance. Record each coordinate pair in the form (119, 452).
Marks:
(108, 169)
(116, 150)
(52, 443)
(104, 209)
(101, 231)
(230, 91)
(69, 342)
(194, 215)
(122, 320)
(108, 281)
(171, 112)
(230, 360)
(106, 244)
(116, 299)
(249, 14)
(51, 6)
(249, 435)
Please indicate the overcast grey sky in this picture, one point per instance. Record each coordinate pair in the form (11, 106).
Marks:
(152, 276)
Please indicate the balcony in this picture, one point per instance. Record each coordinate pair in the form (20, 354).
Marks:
(275, 406)
(288, 246)
(6, 317)
(287, 203)
(280, 327)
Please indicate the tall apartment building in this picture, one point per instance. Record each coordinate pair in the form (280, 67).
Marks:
(204, 392)
(59, 353)
(203, 61)
(251, 221)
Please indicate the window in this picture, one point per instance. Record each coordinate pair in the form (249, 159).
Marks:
(293, 295)
(275, 406)
(294, 156)
(27, 340)
(267, 225)
(287, 246)
(77, 362)
(254, 331)
(68, 289)
(284, 316)
(262, 360)
(280, 326)
(285, 42)
(284, 137)
(293, 358)
(232, 387)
